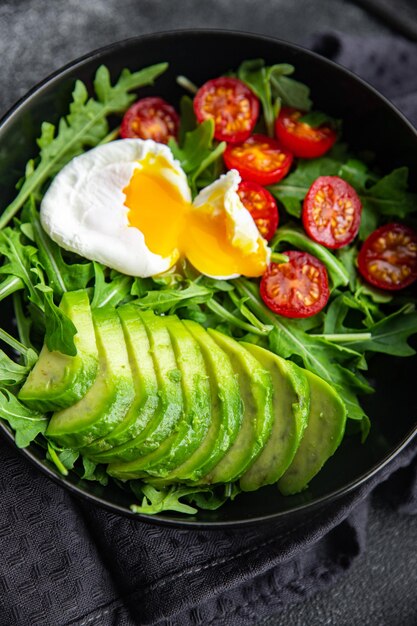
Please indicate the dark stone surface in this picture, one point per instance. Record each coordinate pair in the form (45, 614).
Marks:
(39, 36)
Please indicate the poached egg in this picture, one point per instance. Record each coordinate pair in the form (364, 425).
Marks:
(127, 204)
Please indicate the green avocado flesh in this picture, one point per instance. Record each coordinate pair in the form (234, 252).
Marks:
(195, 421)
(169, 411)
(164, 400)
(291, 404)
(58, 380)
(226, 411)
(108, 399)
(322, 436)
(145, 382)
(256, 392)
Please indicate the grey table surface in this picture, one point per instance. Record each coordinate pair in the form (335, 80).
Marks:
(39, 36)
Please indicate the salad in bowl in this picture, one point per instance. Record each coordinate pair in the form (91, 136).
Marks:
(198, 286)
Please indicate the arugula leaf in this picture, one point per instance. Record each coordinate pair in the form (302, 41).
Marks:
(292, 190)
(94, 472)
(85, 126)
(26, 423)
(9, 286)
(12, 373)
(63, 460)
(62, 276)
(315, 119)
(391, 334)
(317, 355)
(188, 120)
(21, 260)
(59, 329)
(165, 300)
(156, 501)
(390, 195)
(356, 173)
(273, 88)
(296, 237)
(197, 153)
(291, 92)
(114, 291)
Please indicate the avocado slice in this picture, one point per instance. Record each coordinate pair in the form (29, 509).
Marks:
(291, 410)
(58, 380)
(256, 392)
(106, 402)
(321, 438)
(195, 421)
(145, 382)
(226, 411)
(171, 404)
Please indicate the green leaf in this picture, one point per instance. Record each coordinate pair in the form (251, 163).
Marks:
(338, 274)
(292, 190)
(257, 77)
(315, 119)
(188, 121)
(317, 355)
(291, 92)
(156, 501)
(94, 472)
(11, 373)
(170, 300)
(111, 292)
(20, 260)
(63, 460)
(26, 423)
(391, 334)
(59, 329)
(84, 127)
(198, 152)
(390, 196)
(356, 173)
(62, 276)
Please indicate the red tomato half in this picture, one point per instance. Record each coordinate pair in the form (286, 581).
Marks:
(261, 205)
(231, 104)
(299, 288)
(150, 118)
(259, 159)
(300, 138)
(331, 212)
(388, 258)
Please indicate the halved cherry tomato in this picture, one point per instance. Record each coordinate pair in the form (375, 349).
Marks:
(261, 205)
(300, 138)
(259, 159)
(299, 288)
(332, 212)
(388, 258)
(231, 104)
(150, 118)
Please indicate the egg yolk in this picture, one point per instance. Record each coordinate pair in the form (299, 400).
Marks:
(173, 227)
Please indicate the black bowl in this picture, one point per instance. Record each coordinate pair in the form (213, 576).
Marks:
(370, 122)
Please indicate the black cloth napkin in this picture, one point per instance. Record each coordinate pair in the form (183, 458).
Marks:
(63, 561)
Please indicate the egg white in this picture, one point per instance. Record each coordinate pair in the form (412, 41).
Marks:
(84, 209)
(221, 197)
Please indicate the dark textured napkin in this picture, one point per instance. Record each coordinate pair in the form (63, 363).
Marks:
(63, 561)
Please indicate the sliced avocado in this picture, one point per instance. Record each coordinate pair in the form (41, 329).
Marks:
(170, 407)
(145, 381)
(226, 411)
(58, 380)
(291, 410)
(106, 402)
(321, 438)
(256, 392)
(192, 428)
